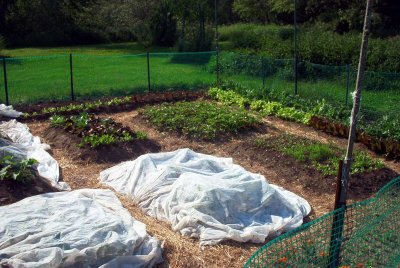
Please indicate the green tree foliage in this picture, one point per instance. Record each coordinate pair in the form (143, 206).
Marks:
(185, 23)
(338, 15)
(253, 10)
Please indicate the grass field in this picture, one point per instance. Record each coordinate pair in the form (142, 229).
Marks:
(99, 71)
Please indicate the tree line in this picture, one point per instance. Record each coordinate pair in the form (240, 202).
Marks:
(186, 24)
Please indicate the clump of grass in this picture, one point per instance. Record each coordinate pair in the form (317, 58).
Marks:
(324, 157)
(200, 120)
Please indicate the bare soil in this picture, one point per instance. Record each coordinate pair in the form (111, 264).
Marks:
(12, 191)
(82, 172)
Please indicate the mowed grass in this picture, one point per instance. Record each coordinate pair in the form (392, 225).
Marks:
(100, 71)
(97, 49)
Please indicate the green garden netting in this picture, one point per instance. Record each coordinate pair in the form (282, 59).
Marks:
(48, 78)
(365, 234)
(260, 77)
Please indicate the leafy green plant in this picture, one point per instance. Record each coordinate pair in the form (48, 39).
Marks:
(81, 121)
(57, 120)
(200, 120)
(141, 135)
(13, 169)
(229, 97)
(98, 140)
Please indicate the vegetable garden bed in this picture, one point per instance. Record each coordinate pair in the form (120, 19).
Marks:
(201, 120)
(86, 136)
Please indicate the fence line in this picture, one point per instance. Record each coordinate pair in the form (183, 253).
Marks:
(96, 75)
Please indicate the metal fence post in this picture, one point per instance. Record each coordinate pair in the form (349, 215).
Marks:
(71, 76)
(348, 84)
(148, 72)
(216, 41)
(5, 80)
(263, 70)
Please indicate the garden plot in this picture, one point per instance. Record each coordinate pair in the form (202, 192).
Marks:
(83, 228)
(281, 169)
(99, 139)
(207, 197)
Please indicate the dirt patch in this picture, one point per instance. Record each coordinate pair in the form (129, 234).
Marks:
(114, 153)
(12, 191)
(363, 184)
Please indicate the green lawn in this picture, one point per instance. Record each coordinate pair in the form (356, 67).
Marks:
(98, 49)
(115, 69)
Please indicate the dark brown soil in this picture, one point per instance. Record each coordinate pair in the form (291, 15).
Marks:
(115, 153)
(12, 191)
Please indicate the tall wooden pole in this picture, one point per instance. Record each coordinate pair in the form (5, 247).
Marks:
(356, 103)
(341, 190)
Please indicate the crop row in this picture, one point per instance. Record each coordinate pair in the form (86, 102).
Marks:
(113, 105)
(95, 131)
(319, 115)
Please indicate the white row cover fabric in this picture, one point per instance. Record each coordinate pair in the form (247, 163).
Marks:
(207, 197)
(82, 228)
(24, 145)
(8, 111)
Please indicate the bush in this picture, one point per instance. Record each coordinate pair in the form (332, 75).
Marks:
(317, 45)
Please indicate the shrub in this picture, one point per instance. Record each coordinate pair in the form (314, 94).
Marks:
(318, 45)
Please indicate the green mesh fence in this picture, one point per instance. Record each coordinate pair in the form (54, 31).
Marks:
(97, 76)
(48, 78)
(2, 91)
(365, 234)
(32, 79)
(169, 71)
(264, 78)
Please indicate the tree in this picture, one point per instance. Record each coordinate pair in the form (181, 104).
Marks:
(253, 10)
